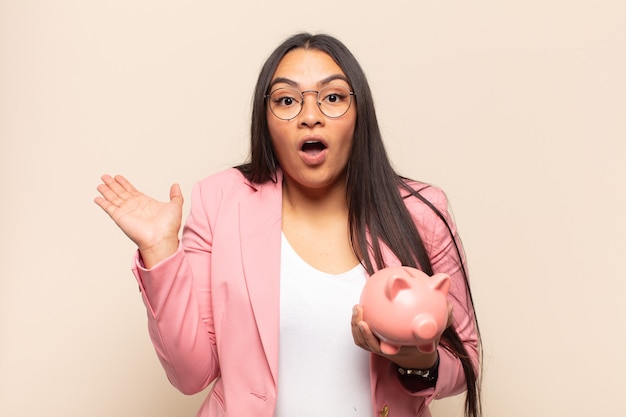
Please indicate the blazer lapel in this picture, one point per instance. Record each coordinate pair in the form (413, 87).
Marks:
(260, 228)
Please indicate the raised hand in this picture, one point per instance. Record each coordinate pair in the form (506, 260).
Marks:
(153, 225)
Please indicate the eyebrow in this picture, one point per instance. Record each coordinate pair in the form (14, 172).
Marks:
(324, 81)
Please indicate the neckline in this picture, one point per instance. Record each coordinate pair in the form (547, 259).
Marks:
(355, 271)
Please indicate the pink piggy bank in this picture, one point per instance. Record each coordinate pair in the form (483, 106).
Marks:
(404, 306)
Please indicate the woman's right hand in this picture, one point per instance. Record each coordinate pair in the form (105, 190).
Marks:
(153, 225)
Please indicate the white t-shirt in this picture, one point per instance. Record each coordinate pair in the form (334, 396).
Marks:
(321, 372)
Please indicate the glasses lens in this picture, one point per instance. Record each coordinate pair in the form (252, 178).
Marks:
(334, 101)
(285, 103)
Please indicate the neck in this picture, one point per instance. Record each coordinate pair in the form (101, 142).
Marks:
(316, 224)
(305, 201)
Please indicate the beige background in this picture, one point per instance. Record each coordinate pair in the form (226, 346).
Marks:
(517, 109)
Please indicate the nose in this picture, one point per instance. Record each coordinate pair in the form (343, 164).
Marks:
(311, 115)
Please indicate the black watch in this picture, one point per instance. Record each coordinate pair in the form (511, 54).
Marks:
(429, 374)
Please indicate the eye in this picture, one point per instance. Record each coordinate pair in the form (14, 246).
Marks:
(335, 95)
(285, 101)
(284, 97)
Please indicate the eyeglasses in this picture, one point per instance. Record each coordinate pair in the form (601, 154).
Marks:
(286, 103)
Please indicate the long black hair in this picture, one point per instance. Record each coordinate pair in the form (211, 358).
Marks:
(375, 205)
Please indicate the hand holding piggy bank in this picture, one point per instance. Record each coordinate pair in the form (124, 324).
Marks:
(404, 306)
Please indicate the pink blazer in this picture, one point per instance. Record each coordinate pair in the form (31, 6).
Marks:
(213, 306)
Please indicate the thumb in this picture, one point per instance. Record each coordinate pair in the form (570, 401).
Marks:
(175, 193)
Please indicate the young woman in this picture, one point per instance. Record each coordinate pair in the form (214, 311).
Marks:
(261, 294)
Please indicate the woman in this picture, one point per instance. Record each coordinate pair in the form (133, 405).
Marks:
(275, 252)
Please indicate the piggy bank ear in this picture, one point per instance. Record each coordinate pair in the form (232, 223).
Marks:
(395, 284)
(440, 282)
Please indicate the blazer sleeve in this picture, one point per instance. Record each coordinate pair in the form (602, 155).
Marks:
(447, 255)
(176, 293)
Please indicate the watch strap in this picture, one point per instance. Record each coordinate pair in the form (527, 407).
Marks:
(429, 374)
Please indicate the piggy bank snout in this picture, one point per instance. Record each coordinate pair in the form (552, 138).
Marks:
(425, 327)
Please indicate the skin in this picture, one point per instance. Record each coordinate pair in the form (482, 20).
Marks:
(311, 70)
(315, 212)
(152, 225)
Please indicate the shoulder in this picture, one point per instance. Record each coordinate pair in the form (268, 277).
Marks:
(229, 187)
(424, 198)
(430, 209)
(227, 182)
(228, 178)
(217, 189)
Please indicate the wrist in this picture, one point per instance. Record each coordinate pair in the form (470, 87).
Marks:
(417, 360)
(429, 373)
(154, 254)
(418, 379)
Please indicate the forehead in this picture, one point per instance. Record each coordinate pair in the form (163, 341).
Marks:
(308, 67)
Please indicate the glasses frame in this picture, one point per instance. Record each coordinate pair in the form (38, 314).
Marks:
(317, 101)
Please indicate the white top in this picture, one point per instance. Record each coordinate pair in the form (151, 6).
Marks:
(321, 372)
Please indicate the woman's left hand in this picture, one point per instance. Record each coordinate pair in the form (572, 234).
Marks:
(407, 357)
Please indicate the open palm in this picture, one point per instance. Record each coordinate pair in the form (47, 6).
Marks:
(147, 222)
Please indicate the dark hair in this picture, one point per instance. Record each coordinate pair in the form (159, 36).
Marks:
(374, 201)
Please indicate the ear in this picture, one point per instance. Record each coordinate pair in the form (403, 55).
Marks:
(440, 282)
(395, 284)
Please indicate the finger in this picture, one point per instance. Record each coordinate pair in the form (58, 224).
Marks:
(115, 186)
(357, 314)
(103, 203)
(372, 342)
(125, 184)
(356, 334)
(361, 332)
(106, 177)
(359, 339)
(109, 195)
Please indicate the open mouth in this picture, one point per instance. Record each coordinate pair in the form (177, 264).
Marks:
(313, 147)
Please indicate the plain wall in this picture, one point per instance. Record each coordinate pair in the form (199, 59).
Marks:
(517, 109)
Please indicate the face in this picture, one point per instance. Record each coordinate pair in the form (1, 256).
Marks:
(312, 148)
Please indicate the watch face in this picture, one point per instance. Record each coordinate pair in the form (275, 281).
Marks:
(416, 372)
(428, 374)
